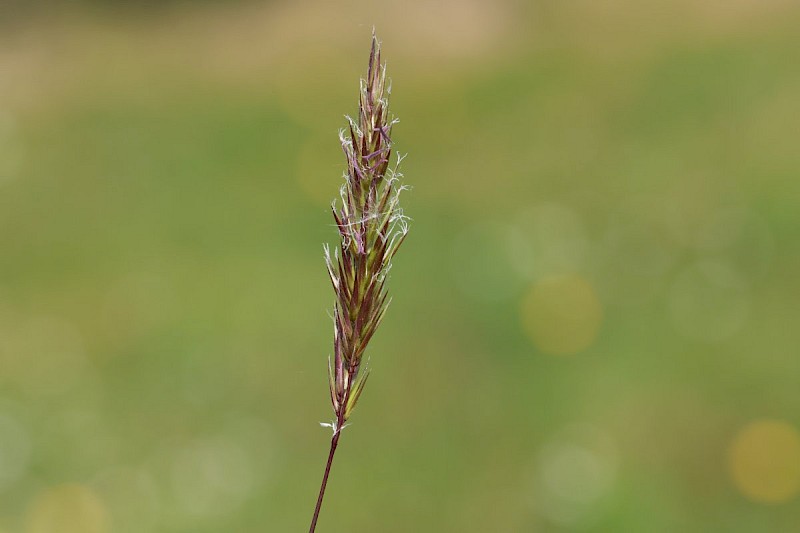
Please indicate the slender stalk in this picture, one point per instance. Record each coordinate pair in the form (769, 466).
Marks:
(334, 443)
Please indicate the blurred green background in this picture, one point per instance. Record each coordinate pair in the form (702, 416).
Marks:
(595, 316)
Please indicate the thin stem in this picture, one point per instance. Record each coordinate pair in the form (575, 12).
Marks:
(334, 443)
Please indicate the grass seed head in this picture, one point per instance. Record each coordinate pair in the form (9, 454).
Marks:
(371, 228)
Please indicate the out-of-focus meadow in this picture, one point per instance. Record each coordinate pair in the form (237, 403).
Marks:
(595, 315)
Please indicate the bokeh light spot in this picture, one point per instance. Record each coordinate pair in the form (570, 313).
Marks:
(764, 461)
(67, 509)
(562, 315)
(576, 473)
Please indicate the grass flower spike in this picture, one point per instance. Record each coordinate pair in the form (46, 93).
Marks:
(371, 228)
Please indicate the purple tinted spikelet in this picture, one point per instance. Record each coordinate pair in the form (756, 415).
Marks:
(371, 227)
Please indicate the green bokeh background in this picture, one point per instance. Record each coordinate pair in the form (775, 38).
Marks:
(165, 172)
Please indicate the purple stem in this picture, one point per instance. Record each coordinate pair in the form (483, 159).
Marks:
(334, 443)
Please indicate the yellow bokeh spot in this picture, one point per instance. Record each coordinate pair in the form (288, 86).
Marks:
(67, 509)
(562, 314)
(764, 461)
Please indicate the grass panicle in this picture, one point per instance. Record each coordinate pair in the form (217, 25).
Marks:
(371, 227)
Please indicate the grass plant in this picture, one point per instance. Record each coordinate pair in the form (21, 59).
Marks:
(371, 227)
